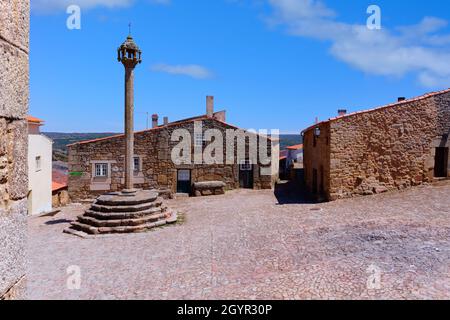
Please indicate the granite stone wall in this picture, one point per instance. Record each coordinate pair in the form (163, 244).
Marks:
(154, 148)
(14, 91)
(388, 148)
(316, 160)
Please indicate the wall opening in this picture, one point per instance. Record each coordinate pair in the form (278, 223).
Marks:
(441, 163)
(246, 174)
(314, 182)
(322, 178)
(184, 181)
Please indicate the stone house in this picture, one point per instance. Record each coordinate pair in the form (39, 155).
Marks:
(96, 166)
(392, 147)
(14, 93)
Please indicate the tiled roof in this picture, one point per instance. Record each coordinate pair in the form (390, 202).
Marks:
(296, 147)
(58, 186)
(203, 117)
(396, 104)
(35, 120)
(142, 131)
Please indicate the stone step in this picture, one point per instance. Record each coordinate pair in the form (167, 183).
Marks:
(128, 208)
(122, 229)
(132, 229)
(124, 215)
(84, 228)
(121, 222)
(140, 198)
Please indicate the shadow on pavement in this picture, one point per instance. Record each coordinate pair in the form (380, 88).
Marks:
(292, 192)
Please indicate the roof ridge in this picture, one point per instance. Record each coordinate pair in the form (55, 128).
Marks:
(140, 131)
(418, 98)
(202, 117)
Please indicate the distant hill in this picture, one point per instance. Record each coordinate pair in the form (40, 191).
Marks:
(287, 140)
(61, 140)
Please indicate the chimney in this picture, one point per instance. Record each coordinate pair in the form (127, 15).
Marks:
(209, 106)
(400, 99)
(154, 121)
(342, 112)
(166, 121)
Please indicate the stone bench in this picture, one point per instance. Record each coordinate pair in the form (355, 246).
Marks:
(209, 188)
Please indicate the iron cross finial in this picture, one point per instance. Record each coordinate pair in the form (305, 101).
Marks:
(129, 28)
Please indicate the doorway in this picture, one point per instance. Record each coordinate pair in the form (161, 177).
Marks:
(314, 181)
(184, 181)
(441, 163)
(246, 174)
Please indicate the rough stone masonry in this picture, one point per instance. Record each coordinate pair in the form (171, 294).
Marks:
(388, 148)
(14, 91)
(157, 171)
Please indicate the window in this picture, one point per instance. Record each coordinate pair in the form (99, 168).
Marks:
(38, 163)
(137, 164)
(200, 140)
(101, 170)
(246, 165)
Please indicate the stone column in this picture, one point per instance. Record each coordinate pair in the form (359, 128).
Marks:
(129, 127)
(130, 56)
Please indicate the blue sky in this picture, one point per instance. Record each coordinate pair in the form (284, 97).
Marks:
(269, 63)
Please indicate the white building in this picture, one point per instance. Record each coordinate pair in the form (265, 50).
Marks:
(39, 169)
(294, 155)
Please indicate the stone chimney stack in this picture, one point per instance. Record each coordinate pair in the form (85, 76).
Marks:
(155, 120)
(400, 99)
(166, 121)
(209, 106)
(342, 112)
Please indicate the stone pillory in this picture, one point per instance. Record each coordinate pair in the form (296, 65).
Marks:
(130, 209)
(392, 147)
(129, 55)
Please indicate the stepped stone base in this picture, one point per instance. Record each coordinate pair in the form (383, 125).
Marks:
(129, 211)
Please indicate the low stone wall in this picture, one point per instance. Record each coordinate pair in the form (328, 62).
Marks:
(209, 188)
(60, 198)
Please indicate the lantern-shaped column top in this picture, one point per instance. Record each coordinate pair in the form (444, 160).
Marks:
(129, 53)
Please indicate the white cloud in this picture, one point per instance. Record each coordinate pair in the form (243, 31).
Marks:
(160, 1)
(51, 6)
(418, 49)
(193, 70)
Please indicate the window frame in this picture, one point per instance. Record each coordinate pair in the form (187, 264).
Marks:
(245, 165)
(38, 163)
(138, 159)
(101, 170)
(199, 137)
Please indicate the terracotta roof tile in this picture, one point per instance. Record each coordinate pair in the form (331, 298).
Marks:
(58, 186)
(296, 147)
(32, 119)
(192, 119)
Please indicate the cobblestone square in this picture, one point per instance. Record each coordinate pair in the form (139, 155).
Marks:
(252, 245)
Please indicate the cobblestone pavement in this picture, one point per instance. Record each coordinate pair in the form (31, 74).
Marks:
(246, 245)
